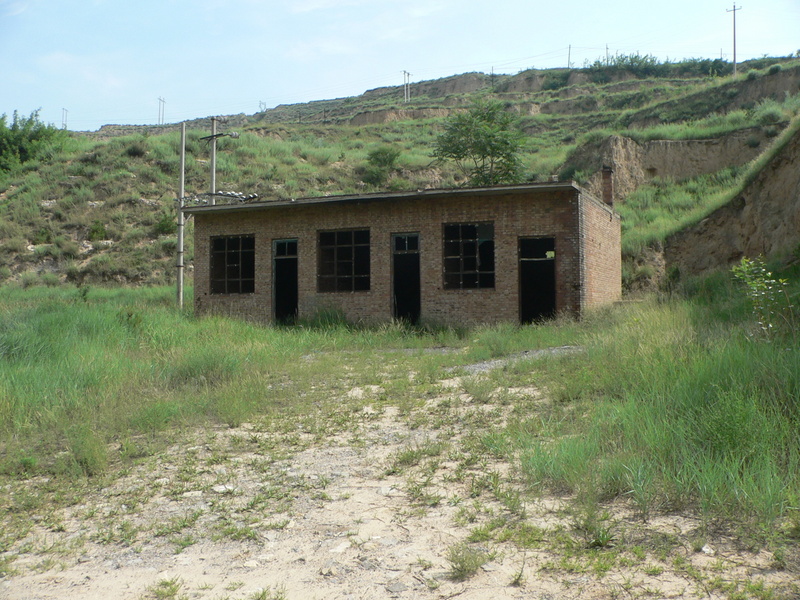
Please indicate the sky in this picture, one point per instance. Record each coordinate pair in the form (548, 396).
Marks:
(87, 63)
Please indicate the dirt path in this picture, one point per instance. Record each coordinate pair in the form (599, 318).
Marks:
(242, 513)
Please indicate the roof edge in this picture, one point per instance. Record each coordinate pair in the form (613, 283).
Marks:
(380, 196)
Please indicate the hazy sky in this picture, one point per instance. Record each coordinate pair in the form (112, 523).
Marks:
(109, 61)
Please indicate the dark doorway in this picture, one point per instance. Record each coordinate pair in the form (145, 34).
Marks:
(284, 280)
(537, 279)
(406, 281)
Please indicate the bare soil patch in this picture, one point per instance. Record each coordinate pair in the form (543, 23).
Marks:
(391, 504)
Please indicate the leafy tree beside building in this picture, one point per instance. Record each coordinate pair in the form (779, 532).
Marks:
(484, 142)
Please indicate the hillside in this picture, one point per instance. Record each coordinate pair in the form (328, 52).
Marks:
(100, 206)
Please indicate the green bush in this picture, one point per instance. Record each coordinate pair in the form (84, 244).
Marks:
(50, 279)
(97, 231)
(29, 279)
(69, 248)
(16, 244)
(166, 224)
(136, 149)
(25, 139)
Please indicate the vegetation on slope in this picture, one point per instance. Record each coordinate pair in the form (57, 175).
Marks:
(89, 209)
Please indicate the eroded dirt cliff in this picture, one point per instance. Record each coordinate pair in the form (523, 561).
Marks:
(763, 220)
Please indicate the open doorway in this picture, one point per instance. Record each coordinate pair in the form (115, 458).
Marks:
(537, 279)
(284, 280)
(405, 277)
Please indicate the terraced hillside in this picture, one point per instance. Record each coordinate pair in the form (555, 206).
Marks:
(100, 206)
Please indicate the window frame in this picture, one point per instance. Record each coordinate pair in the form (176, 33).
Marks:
(232, 267)
(344, 260)
(468, 257)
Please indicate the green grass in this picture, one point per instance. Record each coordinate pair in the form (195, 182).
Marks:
(672, 405)
(677, 410)
(83, 366)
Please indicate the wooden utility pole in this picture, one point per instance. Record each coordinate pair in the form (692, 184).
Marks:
(733, 10)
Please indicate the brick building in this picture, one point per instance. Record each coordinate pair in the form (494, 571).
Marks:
(512, 253)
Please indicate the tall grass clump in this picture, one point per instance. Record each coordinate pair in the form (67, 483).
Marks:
(81, 368)
(674, 409)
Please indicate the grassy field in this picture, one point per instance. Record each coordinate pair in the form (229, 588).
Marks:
(675, 403)
(685, 404)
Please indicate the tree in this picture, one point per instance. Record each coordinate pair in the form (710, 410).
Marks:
(484, 143)
(25, 139)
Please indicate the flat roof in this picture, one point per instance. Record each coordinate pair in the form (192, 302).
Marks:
(387, 196)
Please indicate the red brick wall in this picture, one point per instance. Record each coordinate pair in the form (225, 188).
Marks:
(532, 213)
(602, 254)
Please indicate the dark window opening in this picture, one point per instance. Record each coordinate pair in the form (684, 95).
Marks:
(468, 255)
(233, 264)
(343, 261)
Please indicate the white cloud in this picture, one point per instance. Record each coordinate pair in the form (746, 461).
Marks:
(12, 8)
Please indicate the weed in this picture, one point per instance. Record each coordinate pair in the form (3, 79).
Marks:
(183, 542)
(166, 589)
(465, 560)
(596, 530)
(769, 298)
(268, 593)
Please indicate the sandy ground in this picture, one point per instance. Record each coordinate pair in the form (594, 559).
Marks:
(215, 520)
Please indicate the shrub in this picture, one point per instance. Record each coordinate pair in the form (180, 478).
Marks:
(16, 244)
(136, 149)
(752, 142)
(165, 225)
(50, 279)
(97, 231)
(43, 236)
(67, 247)
(383, 156)
(771, 305)
(29, 279)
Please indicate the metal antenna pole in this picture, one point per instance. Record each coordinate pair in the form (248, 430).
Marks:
(181, 222)
(734, 35)
(213, 160)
